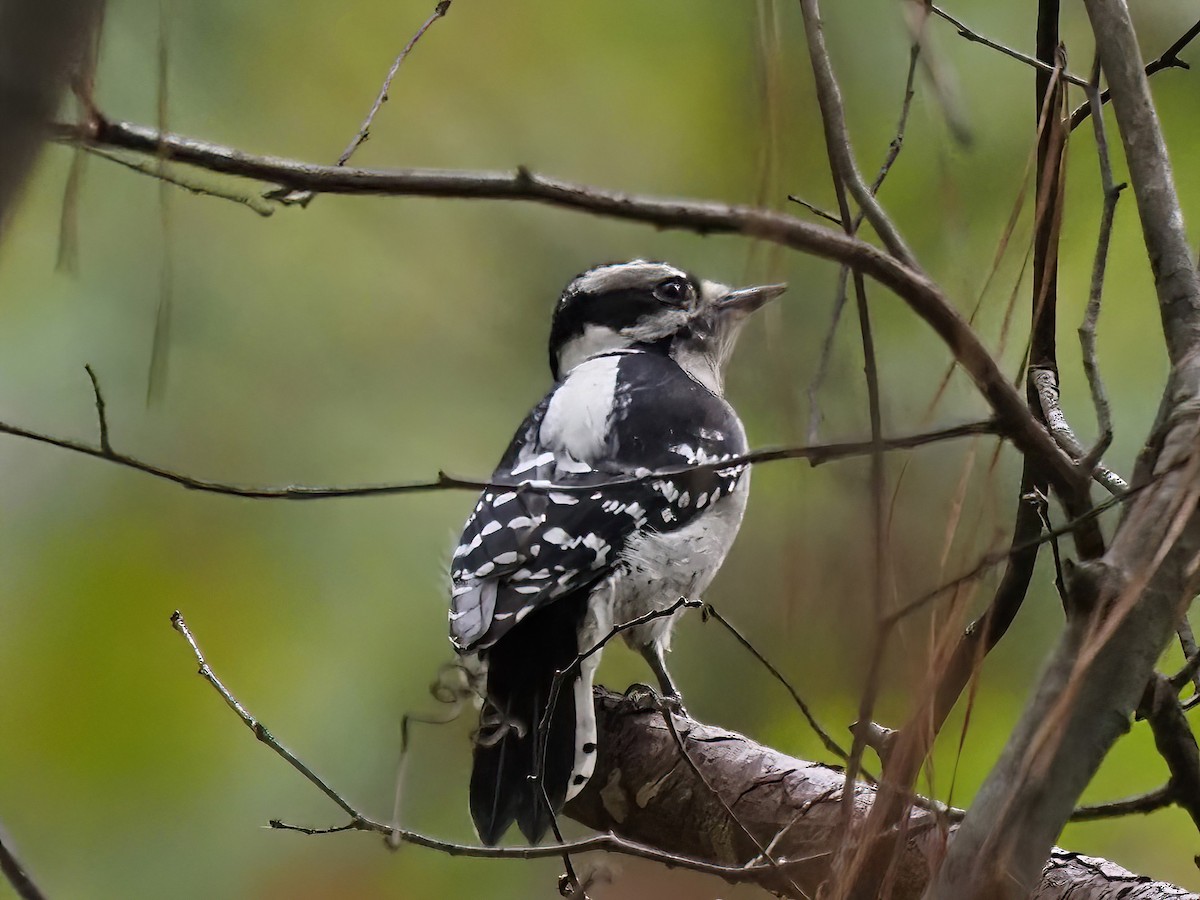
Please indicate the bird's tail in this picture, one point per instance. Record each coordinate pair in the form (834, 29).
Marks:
(508, 749)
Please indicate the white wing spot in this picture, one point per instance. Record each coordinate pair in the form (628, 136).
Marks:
(559, 538)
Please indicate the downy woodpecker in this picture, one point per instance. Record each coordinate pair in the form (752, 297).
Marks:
(540, 575)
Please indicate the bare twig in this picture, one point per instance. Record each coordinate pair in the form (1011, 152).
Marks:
(1087, 329)
(1175, 742)
(292, 197)
(1151, 801)
(837, 140)
(155, 170)
(816, 455)
(912, 286)
(839, 301)
(359, 822)
(12, 869)
(710, 611)
(976, 37)
(844, 170)
(1168, 60)
(1190, 671)
(816, 210)
(105, 447)
(364, 130)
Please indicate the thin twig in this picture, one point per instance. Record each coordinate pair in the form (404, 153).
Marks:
(1190, 672)
(560, 678)
(158, 171)
(15, 873)
(846, 177)
(364, 131)
(816, 210)
(304, 197)
(816, 455)
(976, 37)
(922, 295)
(764, 853)
(839, 301)
(837, 140)
(826, 740)
(105, 446)
(358, 822)
(1149, 802)
(1168, 60)
(1087, 329)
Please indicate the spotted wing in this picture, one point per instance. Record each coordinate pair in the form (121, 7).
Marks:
(524, 546)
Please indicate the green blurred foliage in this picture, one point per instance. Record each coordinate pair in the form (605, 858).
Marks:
(364, 339)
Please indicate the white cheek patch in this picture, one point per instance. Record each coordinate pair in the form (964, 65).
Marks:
(596, 339)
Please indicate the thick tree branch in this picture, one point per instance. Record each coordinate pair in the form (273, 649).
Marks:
(643, 792)
(1139, 589)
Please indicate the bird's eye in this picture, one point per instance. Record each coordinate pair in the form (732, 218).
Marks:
(673, 290)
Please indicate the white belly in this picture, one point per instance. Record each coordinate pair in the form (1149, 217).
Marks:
(659, 568)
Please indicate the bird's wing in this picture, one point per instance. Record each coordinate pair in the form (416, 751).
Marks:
(523, 547)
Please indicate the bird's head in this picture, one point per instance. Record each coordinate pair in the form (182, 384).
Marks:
(656, 307)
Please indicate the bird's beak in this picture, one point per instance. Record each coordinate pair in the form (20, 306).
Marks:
(747, 300)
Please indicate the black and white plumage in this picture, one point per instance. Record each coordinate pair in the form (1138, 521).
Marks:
(542, 573)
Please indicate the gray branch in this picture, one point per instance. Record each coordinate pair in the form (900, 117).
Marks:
(1140, 588)
(644, 792)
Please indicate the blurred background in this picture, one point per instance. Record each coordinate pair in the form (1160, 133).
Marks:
(368, 339)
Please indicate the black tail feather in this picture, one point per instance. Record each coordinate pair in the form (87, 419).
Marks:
(521, 670)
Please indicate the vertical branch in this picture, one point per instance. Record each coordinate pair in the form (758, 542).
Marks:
(156, 378)
(844, 171)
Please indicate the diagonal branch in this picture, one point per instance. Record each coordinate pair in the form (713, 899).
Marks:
(921, 294)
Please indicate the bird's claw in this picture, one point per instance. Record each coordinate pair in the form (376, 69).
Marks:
(644, 698)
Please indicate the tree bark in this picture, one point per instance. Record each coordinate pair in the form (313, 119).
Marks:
(643, 790)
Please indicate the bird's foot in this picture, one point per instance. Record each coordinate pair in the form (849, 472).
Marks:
(644, 698)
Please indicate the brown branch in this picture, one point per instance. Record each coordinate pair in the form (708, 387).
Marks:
(844, 170)
(1168, 60)
(1175, 743)
(921, 294)
(14, 872)
(359, 822)
(816, 455)
(364, 130)
(977, 38)
(1142, 804)
(303, 198)
(639, 798)
(791, 806)
(1139, 589)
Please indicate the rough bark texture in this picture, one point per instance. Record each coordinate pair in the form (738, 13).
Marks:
(645, 791)
(1141, 586)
